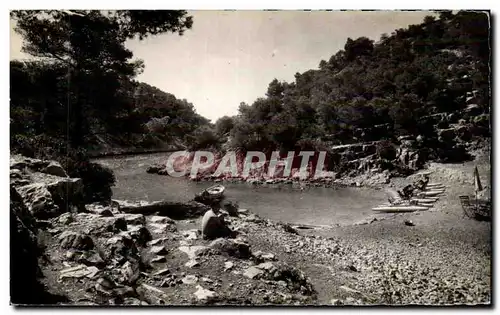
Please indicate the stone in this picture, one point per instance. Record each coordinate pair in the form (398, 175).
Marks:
(230, 207)
(162, 228)
(192, 263)
(157, 241)
(79, 271)
(160, 219)
(65, 218)
(140, 234)
(162, 272)
(204, 294)
(74, 240)
(54, 168)
(190, 279)
(228, 265)
(38, 200)
(446, 134)
(174, 210)
(409, 223)
(190, 234)
(192, 251)
(234, 248)
(120, 247)
(253, 272)
(158, 259)
(207, 280)
(132, 219)
(158, 250)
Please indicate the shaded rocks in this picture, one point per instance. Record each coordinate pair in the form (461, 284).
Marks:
(174, 210)
(231, 247)
(281, 272)
(74, 240)
(409, 223)
(155, 169)
(50, 196)
(79, 271)
(120, 248)
(38, 200)
(230, 207)
(54, 168)
(24, 253)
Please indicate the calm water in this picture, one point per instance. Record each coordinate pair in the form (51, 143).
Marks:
(315, 205)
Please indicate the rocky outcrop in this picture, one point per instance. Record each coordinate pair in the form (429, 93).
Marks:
(174, 210)
(45, 194)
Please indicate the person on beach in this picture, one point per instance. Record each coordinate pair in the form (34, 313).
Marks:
(214, 226)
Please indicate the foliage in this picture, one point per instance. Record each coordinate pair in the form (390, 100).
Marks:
(374, 91)
(97, 179)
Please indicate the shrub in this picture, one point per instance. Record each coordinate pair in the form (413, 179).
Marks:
(97, 179)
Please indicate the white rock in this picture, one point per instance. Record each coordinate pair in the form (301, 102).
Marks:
(190, 279)
(204, 294)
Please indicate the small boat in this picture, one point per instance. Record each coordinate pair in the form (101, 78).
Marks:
(399, 208)
(407, 204)
(215, 191)
(425, 200)
(429, 193)
(211, 194)
(434, 184)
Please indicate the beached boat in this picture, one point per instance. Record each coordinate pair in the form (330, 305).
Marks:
(434, 184)
(399, 208)
(429, 193)
(425, 200)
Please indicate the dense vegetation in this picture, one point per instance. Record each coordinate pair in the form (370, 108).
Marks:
(373, 90)
(79, 94)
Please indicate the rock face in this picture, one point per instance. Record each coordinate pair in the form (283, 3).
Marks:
(24, 252)
(45, 194)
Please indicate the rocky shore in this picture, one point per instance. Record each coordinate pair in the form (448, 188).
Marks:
(147, 253)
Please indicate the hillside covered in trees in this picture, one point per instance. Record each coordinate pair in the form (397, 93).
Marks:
(79, 91)
(428, 82)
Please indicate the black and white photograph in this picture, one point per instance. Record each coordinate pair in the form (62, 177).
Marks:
(334, 158)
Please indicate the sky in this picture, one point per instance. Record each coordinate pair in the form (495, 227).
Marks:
(229, 57)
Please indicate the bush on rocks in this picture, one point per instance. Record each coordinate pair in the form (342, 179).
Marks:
(97, 179)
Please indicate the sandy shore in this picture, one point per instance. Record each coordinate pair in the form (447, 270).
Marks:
(443, 259)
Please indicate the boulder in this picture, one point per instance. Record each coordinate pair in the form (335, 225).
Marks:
(74, 240)
(234, 248)
(174, 210)
(54, 168)
(154, 169)
(38, 201)
(22, 163)
(446, 134)
(464, 133)
(230, 207)
(120, 248)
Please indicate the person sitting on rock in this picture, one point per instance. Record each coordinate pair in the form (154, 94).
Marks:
(421, 184)
(213, 225)
(407, 192)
